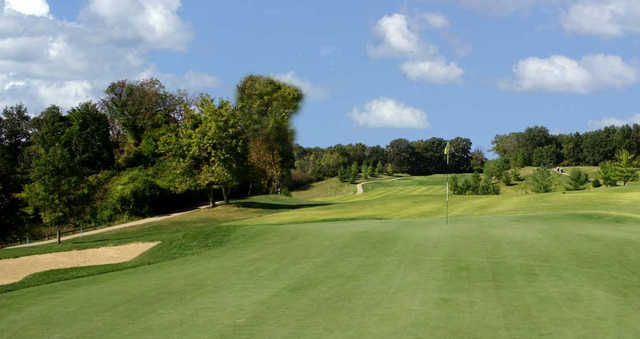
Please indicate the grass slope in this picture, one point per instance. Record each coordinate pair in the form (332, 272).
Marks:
(518, 265)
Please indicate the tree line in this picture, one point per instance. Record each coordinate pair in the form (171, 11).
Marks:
(420, 157)
(535, 146)
(140, 150)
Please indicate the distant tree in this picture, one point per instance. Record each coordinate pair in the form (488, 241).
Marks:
(541, 180)
(455, 185)
(388, 169)
(399, 154)
(548, 155)
(625, 167)
(577, 180)
(343, 175)
(379, 169)
(476, 181)
(365, 171)
(90, 137)
(607, 174)
(477, 160)
(354, 172)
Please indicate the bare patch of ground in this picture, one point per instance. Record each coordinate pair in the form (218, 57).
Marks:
(16, 269)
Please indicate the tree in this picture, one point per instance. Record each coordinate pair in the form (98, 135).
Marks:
(212, 145)
(577, 180)
(388, 169)
(365, 171)
(477, 160)
(15, 133)
(625, 167)
(343, 175)
(355, 170)
(379, 169)
(399, 155)
(506, 178)
(266, 107)
(140, 113)
(541, 180)
(58, 190)
(90, 137)
(607, 174)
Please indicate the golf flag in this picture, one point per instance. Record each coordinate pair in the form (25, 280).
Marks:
(447, 149)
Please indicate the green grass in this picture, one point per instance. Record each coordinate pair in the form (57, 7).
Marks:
(382, 264)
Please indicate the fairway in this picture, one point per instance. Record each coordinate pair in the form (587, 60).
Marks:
(382, 264)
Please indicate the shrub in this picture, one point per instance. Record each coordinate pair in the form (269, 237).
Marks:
(577, 180)
(515, 174)
(596, 183)
(133, 193)
(506, 179)
(541, 180)
(607, 174)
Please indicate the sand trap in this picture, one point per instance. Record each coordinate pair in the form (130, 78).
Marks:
(12, 270)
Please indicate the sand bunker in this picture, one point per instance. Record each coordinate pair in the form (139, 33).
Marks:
(12, 270)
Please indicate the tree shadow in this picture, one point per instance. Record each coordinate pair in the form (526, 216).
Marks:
(275, 206)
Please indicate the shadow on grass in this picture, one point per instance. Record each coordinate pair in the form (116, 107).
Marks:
(275, 206)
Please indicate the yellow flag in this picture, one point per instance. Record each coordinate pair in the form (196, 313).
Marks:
(446, 149)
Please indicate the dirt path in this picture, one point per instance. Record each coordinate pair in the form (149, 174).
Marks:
(16, 269)
(360, 186)
(113, 228)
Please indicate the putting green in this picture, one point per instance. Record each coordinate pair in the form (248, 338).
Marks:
(557, 274)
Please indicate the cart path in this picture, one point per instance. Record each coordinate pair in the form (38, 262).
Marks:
(115, 227)
(361, 185)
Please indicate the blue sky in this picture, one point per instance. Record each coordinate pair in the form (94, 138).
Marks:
(372, 70)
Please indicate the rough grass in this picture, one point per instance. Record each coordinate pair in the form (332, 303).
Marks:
(518, 265)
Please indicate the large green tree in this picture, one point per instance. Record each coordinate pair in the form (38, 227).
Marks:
(211, 145)
(266, 107)
(15, 132)
(625, 167)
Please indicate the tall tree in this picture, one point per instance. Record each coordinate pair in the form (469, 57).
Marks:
(58, 188)
(625, 167)
(266, 107)
(212, 146)
(15, 131)
(141, 112)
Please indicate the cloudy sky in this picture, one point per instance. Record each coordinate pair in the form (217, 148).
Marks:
(372, 70)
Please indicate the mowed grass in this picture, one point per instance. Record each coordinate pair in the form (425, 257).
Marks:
(382, 264)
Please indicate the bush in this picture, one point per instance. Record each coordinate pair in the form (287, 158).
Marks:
(133, 193)
(515, 174)
(607, 174)
(300, 179)
(506, 179)
(577, 180)
(541, 180)
(596, 183)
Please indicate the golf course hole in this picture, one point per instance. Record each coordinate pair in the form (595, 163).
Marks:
(16, 269)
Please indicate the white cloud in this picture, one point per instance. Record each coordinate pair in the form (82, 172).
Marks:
(607, 18)
(46, 61)
(397, 39)
(310, 90)
(154, 22)
(436, 71)
(561, 74)
(387, 112)
(27, 7)
(605, 122)
(435, 20)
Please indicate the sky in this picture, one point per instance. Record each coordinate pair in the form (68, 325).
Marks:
(371, 70)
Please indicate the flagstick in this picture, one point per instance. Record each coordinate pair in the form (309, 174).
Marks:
(447, 188)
